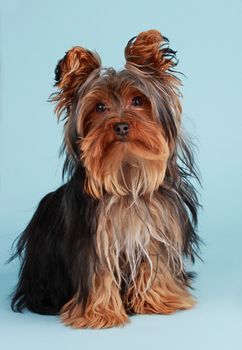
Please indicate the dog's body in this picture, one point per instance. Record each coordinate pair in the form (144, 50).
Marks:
(112, 240)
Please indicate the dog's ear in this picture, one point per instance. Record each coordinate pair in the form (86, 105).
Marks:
(70, 73)
(150, 54)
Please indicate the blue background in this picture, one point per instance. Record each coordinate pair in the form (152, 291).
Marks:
(207, 36)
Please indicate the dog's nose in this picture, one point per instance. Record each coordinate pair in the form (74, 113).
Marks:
(121, 129)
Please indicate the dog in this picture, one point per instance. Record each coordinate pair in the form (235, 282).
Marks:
(115, 238)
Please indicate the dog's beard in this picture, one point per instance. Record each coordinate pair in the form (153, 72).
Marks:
(134, 167)
(132, 174)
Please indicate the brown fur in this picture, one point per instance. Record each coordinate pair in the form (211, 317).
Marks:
(165, 294)
(146, 51)
(139, 237)
(75, 68)
(105, 308)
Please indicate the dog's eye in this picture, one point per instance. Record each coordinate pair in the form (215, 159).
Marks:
(100, 107)
(137, 101)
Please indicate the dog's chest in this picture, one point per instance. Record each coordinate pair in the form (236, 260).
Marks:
(126, 225)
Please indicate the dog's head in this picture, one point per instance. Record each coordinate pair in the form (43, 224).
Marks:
(121, 126)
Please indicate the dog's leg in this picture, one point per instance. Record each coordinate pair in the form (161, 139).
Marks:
(104, 307)
(165, 295)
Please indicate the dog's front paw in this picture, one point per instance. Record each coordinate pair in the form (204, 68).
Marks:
(72, 315)
(155, 301)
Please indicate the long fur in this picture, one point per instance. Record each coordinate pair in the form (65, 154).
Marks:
(57, 250)
(114, 238)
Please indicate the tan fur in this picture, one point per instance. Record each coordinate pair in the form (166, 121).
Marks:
(129, 228)
(137, 241)
(164, 296)
(105, 308)
(75, 67)
(143, 159)
(139, 238)
(146, 50)
(137, 234)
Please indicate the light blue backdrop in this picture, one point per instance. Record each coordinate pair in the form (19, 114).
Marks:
(207, 35)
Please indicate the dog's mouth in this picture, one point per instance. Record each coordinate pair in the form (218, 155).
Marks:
(131, 144)
(121, 139)
(117, 142)
(126, 139)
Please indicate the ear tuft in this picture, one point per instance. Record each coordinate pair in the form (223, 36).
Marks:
(149, 52)
(70, 73)
(76, 66)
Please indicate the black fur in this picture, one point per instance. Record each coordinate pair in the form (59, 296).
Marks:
(58, 246)
(57, 250)
(58, 71)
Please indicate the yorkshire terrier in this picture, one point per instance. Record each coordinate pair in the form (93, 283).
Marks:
(114, 239)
